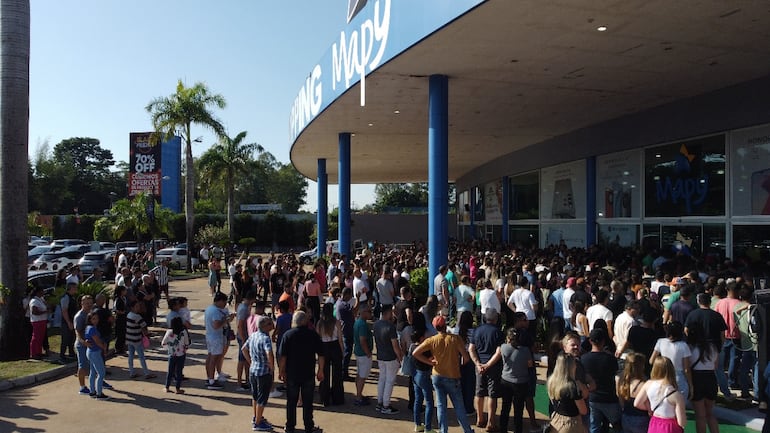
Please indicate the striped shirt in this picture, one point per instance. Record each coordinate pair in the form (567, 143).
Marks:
(134, 326)
(161, 274)
(259, 345)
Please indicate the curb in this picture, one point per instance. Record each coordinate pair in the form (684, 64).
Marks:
(45, 376)
(740, 418)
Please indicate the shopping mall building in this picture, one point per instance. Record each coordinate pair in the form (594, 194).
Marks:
(634, 121)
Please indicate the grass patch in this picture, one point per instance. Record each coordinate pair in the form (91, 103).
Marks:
(15, 369)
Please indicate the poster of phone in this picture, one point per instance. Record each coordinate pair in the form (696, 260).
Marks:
(618, 180)
(750, 170)
(563, 191)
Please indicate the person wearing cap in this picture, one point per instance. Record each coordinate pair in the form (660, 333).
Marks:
(602, 367)
(445, 350)
(484, 351)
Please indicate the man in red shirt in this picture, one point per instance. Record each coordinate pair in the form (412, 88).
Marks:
(725, 308)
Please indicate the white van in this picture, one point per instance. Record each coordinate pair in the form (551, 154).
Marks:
(307, 257)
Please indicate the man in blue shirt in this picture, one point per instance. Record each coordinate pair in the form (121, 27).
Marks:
(258, 351)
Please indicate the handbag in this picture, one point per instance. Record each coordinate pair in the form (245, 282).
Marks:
(145, 342)
(408, 367)
(230, 334)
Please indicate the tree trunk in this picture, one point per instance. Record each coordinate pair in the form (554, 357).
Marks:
(14, 133)
(189, 199)
(230, 206)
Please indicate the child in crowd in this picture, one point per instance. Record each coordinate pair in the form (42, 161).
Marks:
(177, 341)
(96, 349)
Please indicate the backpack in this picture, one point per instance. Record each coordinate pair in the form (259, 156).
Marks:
(408, 367)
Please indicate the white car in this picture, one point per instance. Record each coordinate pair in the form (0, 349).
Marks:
(309, 256)
(178, 257)
(57, 260)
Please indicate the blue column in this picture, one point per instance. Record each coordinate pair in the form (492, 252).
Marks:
(323, 207)
(472, 226)
(590, 200)
(506, 206)
(438, 174)
(343, 180)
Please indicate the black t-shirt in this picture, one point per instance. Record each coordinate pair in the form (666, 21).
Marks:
(277, 281)
(565, 404)
(617, 305)
(642, 340)
(487, 338)
(710, 322)
(400, 313)
(300, 347)
(601, 366)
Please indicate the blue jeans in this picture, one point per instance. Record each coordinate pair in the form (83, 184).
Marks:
(140, 353)
(445, 386)
(635, 423)
(423, 390)
(175, 366)
(96, 376)
(748, 361)
(726, 355)
(603, 414)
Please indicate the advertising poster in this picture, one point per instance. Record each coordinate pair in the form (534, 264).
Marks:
(750, 171)
(464, 207)
(563, 194)
(144, 159)
(685, 178)
(493, 202)
(618, 185)
(626, 235)
(571, 234)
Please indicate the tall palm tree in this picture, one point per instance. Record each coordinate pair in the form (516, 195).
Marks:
(14, 131)
(175, 114)
(131, 216)
(223, 162)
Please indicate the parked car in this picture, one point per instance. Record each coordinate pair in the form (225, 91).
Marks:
(57, 260)
(129, 246)
(83, 248)
(307, 257)
(35, 240)
(178, 257)
(61, 243)
(44, 279)
(101, 260)
(36, 252)
(107, 246)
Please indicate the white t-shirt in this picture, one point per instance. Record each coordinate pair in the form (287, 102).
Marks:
(704, 364)
(39, 303)
(524, 300)
(487, 299)
(676, 351)
(596, 312)
(655, 286)
(359, 286)
(568, 292)
(622, 325)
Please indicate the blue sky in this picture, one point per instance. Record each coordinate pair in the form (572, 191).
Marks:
(96, 64)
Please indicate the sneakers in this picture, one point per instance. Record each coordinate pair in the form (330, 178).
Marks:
(275, 394)
(106, 385)
(84, 391)
(244, 387)
(92, 394)
(102, 397)
(388, 410)
(419, 428)
(214, 385)
(262, 426)
(222, 378)
(378, 408)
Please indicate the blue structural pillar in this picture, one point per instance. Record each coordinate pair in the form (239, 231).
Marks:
(590, 200)
(323, 207)
(506, 207)
(438, 174)
(344, 194)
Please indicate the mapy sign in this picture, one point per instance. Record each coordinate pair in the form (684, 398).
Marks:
(366, 44)
(359, 51)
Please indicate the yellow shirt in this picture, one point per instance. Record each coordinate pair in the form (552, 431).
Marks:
(446, 350)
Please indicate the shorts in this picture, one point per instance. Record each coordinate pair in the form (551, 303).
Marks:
(363, 366)
(704, 385)
(241, 358)
(215, 346)
(260, 388)
(82, 360)
(488, 383)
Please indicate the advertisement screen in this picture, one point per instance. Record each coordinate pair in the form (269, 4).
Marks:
(145, 165)
(750, 171)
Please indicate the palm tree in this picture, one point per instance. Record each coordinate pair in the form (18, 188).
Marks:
(131, 216)
(176, 113)
(14, 163)
(223, 161)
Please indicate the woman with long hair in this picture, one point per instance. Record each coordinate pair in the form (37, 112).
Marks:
(514, 384)
(430, 310)
(580, 320)
(213, 280)
(565, 393)
(329, 328)
(311, 290)
(675, 349)
(705, 357)
(628, 385)
(659, 397)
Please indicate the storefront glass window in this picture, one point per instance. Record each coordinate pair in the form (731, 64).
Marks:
(750, 171)
(525, 196)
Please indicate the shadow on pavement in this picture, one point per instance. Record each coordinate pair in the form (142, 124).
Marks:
(14, 407)
(170, 403)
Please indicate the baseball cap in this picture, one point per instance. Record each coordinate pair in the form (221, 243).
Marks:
(439, 322)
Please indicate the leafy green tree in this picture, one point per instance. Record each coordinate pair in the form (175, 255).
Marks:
(223, 161)
(51, 183)
(129, 216)
(175, 114)
(400, 195)
(92, 181)
(212, 235)
(288, 188)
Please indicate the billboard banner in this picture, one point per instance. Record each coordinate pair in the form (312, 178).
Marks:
(145, 163)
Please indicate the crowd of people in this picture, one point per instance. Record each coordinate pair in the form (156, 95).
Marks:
(629, 338)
